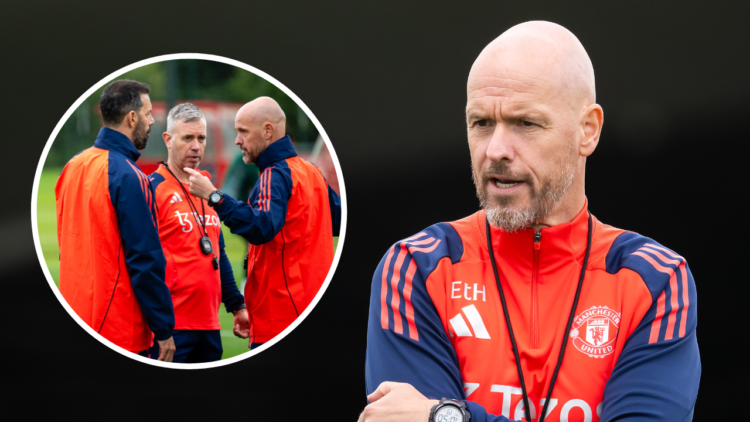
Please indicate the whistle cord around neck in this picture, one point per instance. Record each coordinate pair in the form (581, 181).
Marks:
(571, 317)
(193, 208)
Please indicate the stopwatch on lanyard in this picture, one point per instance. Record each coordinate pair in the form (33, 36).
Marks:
(205, 241)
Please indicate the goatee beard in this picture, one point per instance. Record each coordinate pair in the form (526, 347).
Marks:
(250, 157)
(501, 210)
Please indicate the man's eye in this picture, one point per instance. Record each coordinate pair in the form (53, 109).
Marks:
(482, 122)
(526, 123)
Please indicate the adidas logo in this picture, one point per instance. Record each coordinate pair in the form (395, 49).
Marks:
(458, 323)
(175, 198)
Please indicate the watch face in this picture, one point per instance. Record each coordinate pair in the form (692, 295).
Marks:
(449, 414)
(215, 197)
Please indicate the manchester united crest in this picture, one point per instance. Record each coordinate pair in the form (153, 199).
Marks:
(594, 331)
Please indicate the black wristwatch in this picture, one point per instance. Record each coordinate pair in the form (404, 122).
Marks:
(215, 197)
(449, 411)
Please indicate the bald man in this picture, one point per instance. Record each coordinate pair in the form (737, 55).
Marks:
(289, 221)
(531, 309)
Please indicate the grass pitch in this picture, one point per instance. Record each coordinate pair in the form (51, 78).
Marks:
(235, 248)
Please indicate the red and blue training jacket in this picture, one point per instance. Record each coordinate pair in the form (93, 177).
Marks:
(289, 221)
(436, 322)
(111, 261)
(197, 288)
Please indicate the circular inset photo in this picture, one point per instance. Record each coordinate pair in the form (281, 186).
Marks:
(189, 211)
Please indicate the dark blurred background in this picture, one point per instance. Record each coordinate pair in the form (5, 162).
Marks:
(387, 81)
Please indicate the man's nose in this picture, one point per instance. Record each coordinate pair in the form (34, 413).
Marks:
(238, 140)
(501, 146)
(195, 146)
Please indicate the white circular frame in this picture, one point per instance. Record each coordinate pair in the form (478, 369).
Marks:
(35, 228)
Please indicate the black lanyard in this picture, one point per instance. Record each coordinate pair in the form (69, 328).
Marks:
(205, 241)
(543, 415)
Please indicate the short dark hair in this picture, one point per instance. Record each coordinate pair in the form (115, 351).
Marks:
(121, 97)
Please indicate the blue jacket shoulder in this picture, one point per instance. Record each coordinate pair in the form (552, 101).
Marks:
(123, 169)
(431, 245)
(652, 261)
(155, 179)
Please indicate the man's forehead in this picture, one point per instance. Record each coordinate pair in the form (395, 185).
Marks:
(508, 84)
(242, 117)
(513, 93)
(193, 126)
(516, 79)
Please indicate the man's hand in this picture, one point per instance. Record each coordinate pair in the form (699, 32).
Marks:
(397, 402)
(200, 185)
(241, 324)
(166, 349)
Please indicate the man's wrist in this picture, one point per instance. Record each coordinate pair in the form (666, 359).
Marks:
(430, 407)
(162, 335)
(242, 308)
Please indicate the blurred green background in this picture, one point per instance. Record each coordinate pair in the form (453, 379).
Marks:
(173, 82)
(219, 90)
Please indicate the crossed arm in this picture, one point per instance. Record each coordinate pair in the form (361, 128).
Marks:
(396, 402)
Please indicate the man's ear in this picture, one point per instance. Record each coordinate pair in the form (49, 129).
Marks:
(167, 139)
(592, 120)
(132, 119)
(268, 131)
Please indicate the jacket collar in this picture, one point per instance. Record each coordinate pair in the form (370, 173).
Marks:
(277, 151)
(558, 244)
(113, 140)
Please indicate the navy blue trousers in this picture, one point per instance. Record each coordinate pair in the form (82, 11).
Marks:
(193, 346)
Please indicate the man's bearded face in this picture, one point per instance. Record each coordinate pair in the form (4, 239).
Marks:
(505, 211)
(251, 149)
(140, 134)
(250, 140)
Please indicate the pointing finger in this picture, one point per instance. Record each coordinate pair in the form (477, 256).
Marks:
(190, 171)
